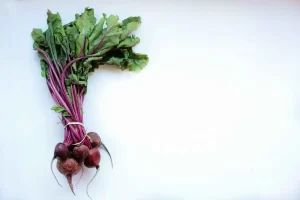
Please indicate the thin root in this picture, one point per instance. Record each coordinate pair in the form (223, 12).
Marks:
(80, 175)
(104, 147)
(69, 178)
(87, 187)
(53, 172)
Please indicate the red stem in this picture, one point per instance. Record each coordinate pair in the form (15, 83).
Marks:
(102, 39)
(49, 63)
(56, 93)
(83, 45)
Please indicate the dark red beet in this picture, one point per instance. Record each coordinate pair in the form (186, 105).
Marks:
(80, 153)
(61, 151)
(91, 161)
(94, 139)
(93, 158)
(68, 168)
(96, 143)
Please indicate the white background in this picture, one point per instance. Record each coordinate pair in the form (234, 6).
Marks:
(214, 116)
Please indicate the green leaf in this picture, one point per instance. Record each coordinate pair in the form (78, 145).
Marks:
(65, 114)
(129, 25)
(102, 52)
(69, 92)
(125, 53)
(112, 21)
(38, 36)
(58, 36)
(36, 45)
(94, 38)
(82, 83)
(74, 79)
(137, 61)
(74, 66)
(86, 21)
(79, 44)
(50, 42)
(131, 20)
(119, 62)
(44, 68)
(83, 36)
(58, 109)
(72, 35)
(129, 42)
(112, 38)
(128, 59)
(88, 66)
(87, 61)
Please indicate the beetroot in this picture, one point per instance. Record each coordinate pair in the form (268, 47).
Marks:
(94, 139)
(91, 161)
(80, 153)
(61, 151)
(96, 142)
(68, 168)
(93, 158)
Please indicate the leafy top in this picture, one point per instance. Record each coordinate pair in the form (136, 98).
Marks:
(107, 41)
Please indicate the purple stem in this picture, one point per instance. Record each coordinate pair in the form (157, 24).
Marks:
(64, 91)
(74, 104)
(52, 70)
(61, 84)
(82, 96)
(52, 93)
(83, 45)
(71, 134)
(73, 130)
(78, 107)
(60, 66)
(57, 66)
(101, 41)
(49, 63)
(60, 100)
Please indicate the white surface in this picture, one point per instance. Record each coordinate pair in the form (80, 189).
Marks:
(214, 116)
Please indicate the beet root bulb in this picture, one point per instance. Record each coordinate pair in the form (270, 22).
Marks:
(93, 158)
(61, 151)
(94, 139)
(80, 153)
(68, 168)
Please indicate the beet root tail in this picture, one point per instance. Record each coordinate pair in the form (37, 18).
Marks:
(105, 149)
(53, 172)
(69, 178)
(80, 176)
(87, 187)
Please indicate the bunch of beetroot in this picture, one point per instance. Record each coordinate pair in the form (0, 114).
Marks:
(72, 159)
(68, 54)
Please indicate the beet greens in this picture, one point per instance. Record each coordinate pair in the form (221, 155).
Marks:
(68, 54)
